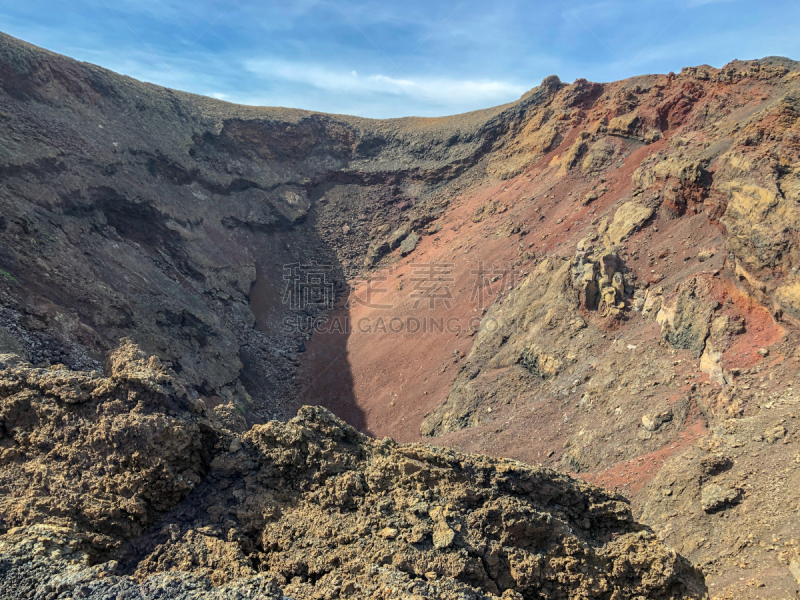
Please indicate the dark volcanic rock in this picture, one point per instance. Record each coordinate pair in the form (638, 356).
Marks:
(134, 210)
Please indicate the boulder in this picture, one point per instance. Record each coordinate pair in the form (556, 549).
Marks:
(409, 244)
(715, 497)
(628, 218)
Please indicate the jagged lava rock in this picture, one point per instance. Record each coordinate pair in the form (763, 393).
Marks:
(121, 485)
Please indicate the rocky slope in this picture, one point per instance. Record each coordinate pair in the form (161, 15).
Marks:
(616, 297)
(122, 485)
(623, 289)
(133, 210)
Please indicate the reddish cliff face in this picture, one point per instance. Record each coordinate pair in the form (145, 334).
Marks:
(602, 278)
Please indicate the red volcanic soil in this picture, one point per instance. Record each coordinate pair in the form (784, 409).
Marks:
(631, 476)
(385, 379)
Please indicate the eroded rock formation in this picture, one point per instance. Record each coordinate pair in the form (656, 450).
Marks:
(121, 485)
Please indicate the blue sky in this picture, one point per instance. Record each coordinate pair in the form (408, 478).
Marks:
(392, 59)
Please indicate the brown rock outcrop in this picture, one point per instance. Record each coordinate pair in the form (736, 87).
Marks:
(121, 483)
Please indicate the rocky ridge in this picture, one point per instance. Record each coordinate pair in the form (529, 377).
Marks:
(120, 484)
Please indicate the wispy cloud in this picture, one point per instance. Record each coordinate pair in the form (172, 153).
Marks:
(335, 55)
(440, 91)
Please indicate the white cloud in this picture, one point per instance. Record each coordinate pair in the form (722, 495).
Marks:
(437, 90)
